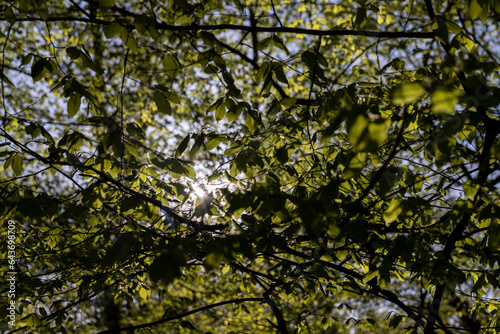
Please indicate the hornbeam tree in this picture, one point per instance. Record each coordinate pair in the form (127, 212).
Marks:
(236, 166)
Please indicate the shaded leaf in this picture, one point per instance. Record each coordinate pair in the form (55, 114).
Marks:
(171, 65)
(4, 78)
(17, 164)
(183, 145)
(112, 29)
(162, 102)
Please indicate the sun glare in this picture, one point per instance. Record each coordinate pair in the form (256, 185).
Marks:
(198, 190)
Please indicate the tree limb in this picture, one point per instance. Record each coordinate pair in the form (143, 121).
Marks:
(284, 30)
(182, 315)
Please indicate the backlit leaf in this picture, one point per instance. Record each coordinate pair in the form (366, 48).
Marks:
(74, 104)
(393, 210)
(407, 93)
(444, 100)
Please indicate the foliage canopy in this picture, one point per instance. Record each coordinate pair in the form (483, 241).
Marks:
(252, 166)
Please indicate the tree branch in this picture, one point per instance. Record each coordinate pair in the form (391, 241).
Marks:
(279, 317)
(182, 315)
(210, 27)
(492, 131)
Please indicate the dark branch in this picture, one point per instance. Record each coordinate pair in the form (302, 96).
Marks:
(492, 131)
(285, 30)
(182, 315)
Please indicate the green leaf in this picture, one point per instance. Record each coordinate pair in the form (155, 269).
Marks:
(356, 129)
(220, 111)
(288, 102)
(263, 72)
(89, 63)
(73, 53)
(280, 75)
(355, 166)
(368, 277)
(162, 102)
(309, 58)
(37, 69)
(453, 27)
(494, 235)
(9, 15)
(443, 100)
(106, 3)
(167, 266)
(226, 268)
(470, 189)
(199, 144)
(33, 130)
(264, 43)
(407, 93)
(213, 260)
(112, 29)
(179, 169)
(26, 60)
(361, 19)
(441, 30)
(33, 321)
(131, 149)
(395, 321)
(233, 113)
(134, 130)
(186, 324)
(71, 140)
(17, 164)
(144, 292)
(8, 162)
(250, 123)
(474, 9)
(182, 146)
(386, 181)
(233, 149)
(74, 104)
(393, 210)
(171, 65)
(172, 97)
(278, 42)
(4, 78)
(128, 39)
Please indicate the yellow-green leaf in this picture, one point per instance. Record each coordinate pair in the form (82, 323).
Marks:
(171, 65)
(393, 211)
(474, 9)
(226, 268)
(74, 104)
(443, 100)
(470, 189)
(250, 123)
(407, 93)
(355, 166)
(128, 39)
